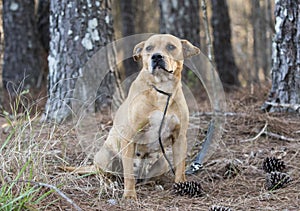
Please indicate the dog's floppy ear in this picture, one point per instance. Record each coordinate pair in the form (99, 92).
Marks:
(189, 49)
(138, 50)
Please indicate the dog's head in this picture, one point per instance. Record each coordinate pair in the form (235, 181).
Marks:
(164, 52)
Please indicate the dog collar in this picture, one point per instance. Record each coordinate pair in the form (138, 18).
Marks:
(161, 91)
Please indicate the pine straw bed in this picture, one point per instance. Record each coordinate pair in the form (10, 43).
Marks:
(233, 177)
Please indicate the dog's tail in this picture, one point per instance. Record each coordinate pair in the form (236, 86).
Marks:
(80, 170)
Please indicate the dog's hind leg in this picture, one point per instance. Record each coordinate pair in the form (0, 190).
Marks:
(105, 159)
(103, 162)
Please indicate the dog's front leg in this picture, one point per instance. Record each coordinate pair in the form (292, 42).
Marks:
(179, 148)
(127, 161)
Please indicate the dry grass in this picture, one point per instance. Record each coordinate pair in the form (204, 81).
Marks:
(45, 147)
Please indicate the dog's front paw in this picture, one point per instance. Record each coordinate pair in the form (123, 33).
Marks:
(129, 195)
(180, 178)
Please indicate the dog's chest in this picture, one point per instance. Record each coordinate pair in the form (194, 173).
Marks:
(160, 101)
(161, 92)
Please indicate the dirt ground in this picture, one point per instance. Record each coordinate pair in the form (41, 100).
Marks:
(249, 136)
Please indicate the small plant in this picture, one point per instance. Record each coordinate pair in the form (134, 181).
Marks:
(20, 195)
(231, 170)
(21, 159)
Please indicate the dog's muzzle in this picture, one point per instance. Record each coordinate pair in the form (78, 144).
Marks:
(157, 61)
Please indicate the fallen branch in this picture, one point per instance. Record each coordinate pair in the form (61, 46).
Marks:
(295, 107)
(257, 136)
(281, 137)
(57, 191)
(226, 114)
(270, 134)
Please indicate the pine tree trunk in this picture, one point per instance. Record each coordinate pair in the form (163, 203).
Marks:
(128, 17)
(268, 42)
(257, 37)
(261, 43)
(43, 13)
(285, 91)
(146, 16)
(22, 67)
(128, 28)
(181, 18)
(78, 29)
(225, 64)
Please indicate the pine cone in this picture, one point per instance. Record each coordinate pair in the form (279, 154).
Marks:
(219, 208)
(273, 164)
(189, 188)
(276, 180)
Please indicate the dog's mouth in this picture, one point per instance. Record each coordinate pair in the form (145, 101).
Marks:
(160, 65)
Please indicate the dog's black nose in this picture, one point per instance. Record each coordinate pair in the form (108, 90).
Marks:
(157, 57)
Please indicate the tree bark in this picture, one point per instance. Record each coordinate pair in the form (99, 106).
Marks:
(128, 28)
(257, 38)
(22, 66)
(181, 18)
(225, 64)
(147, 16)
(285, 91)
(269, 25)
(78, 29)
(261, 43)
(128, 17)
(43, 13)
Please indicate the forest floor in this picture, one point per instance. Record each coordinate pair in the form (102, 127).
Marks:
(233, 176)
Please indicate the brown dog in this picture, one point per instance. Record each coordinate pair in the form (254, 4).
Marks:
(133, 139)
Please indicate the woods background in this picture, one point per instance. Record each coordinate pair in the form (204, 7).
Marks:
(254, 53)
(251, 28)
(247, 46)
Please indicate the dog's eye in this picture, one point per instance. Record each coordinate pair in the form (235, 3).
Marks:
(170, 47)
(149, 48)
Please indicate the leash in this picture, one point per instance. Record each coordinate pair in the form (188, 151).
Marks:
(161, 124)
(197, 164)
